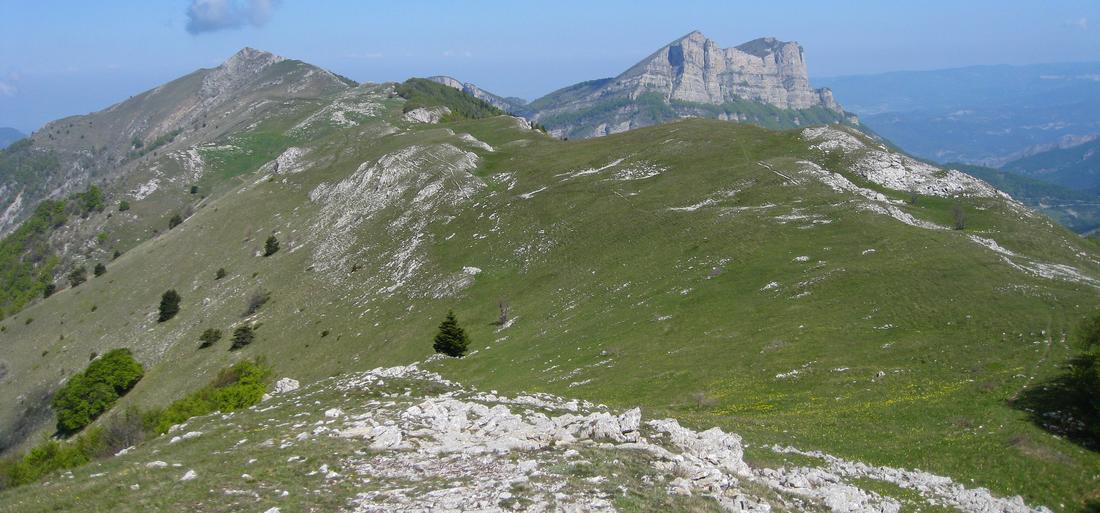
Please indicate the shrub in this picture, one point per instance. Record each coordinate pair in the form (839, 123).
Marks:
(51, 456)
(220, 273)
(169, 305)
(49, 290)
(210, 337)
(959, 216)
(451, 339)
(242, 336)
(123, 206)
(256, 301)
(194, 189)
(100, 269)
(175, 221)
(90, 393)
(78, 276)
(239, 386)
(121, 431)
(271, 246)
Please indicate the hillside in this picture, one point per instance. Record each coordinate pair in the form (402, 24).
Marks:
(130, 140)
(1075, 208)
(799, 288)
(1077, 166)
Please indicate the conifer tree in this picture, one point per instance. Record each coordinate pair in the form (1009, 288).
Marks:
(451, 339)
(271, 246)
(169, 305)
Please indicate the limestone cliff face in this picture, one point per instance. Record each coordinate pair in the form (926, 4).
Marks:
(695, 69)
(692, 76)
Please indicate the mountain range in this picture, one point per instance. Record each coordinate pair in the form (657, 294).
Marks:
(694, 315)
(985, 115)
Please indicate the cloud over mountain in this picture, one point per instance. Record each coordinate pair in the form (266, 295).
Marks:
(214, 15)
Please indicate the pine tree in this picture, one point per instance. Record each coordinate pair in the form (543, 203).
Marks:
(100, 269)
(242, 336)
(169, 305)
(451, 339)
(271, 246)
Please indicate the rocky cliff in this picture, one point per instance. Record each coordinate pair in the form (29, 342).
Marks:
(763, 81)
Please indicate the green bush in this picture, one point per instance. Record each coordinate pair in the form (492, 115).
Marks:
(123, 206)
(169, 305)
(90, 393)
(51, 456)
(220, 273)
(100, 269)
(239, 386)
(175, 221)
(451, 339)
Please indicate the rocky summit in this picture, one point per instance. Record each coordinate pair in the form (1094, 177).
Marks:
(695, 69)
(763, 81)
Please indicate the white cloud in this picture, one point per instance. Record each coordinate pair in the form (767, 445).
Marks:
(214, 15)
(1079, 23)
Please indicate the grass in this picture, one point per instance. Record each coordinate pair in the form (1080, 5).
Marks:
(620, 300)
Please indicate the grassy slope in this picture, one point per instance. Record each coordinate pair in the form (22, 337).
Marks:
(654, 307)
(1077, 209)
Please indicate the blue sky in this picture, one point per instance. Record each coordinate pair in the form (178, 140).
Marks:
(63, 57)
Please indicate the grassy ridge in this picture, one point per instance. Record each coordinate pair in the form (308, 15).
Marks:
(421, 92)
(652, 291)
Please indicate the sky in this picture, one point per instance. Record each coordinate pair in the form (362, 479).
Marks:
(65, 57)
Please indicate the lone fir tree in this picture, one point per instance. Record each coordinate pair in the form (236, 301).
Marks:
(271, 246)
(451, 339)
(169, 305)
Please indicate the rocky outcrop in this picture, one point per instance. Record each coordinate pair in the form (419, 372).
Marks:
(695, 69)
(459, 449)
(694, 77)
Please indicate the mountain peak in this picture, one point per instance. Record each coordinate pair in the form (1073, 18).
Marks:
(251, 58)
(764, 46)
